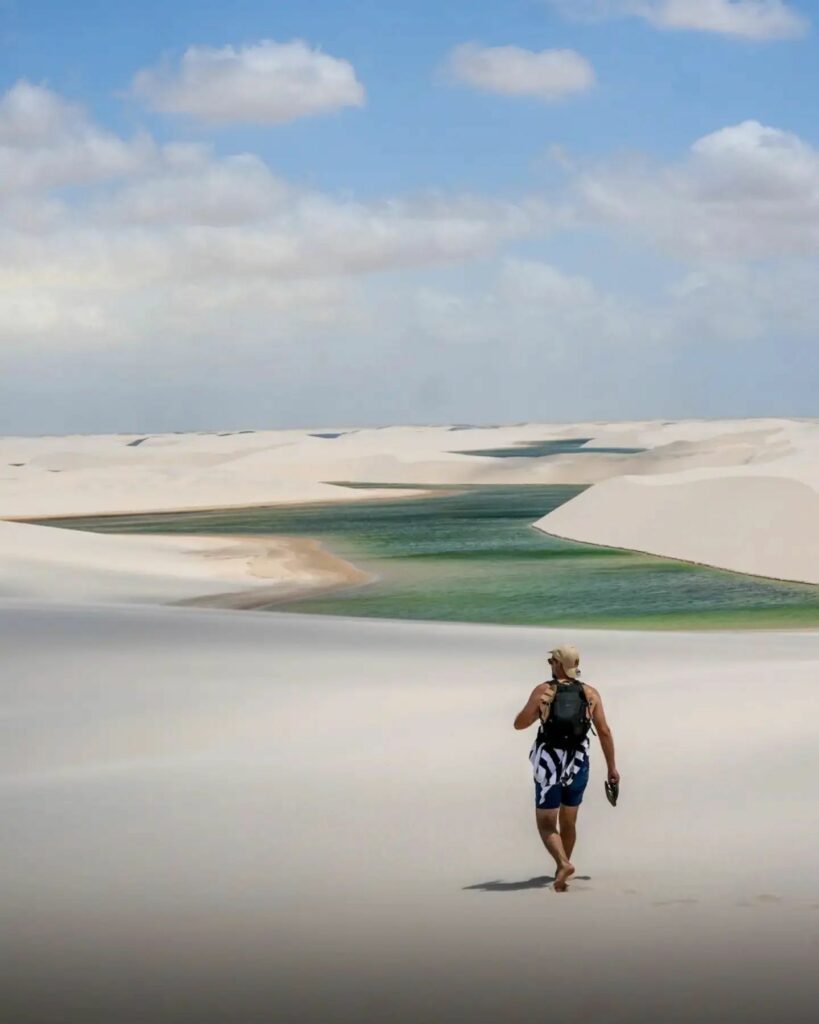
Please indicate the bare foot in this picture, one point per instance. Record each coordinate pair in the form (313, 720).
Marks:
(564, 873)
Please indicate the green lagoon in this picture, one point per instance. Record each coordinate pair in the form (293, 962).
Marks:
(471, 554)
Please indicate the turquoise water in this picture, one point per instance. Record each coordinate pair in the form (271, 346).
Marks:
(472, 555)
(539, 449)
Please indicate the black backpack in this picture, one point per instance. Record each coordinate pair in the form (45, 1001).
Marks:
(569, 716)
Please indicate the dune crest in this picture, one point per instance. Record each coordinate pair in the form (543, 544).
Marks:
(760, 516)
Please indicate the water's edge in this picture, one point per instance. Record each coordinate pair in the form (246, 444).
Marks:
(472, 554)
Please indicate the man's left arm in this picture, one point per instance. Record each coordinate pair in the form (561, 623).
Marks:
(605, 737)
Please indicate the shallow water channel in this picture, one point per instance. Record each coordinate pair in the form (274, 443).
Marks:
(473, 555)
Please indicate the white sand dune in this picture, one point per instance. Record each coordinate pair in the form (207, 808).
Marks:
(213, 817)
(766, 526)
(76, 475)
(756, 511)
(71, 565)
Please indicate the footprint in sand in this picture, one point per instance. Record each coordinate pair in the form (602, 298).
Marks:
(687, 902)
(766, 897)
(630, 892)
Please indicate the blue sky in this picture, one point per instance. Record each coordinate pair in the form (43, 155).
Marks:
(656, 92)
(644, 263)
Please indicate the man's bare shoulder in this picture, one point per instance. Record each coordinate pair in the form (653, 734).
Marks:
(592, 693)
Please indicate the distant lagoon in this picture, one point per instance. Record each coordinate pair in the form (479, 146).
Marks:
(471, 554)
(542, 449)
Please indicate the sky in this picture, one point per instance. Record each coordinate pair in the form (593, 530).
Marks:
(281, 214)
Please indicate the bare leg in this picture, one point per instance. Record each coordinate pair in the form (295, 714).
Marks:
(547, 827)
(568, 831)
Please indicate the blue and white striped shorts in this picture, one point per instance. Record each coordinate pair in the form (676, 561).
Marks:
(569, 796)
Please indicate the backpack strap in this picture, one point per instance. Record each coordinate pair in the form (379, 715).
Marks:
(548, 703)
(588, 709)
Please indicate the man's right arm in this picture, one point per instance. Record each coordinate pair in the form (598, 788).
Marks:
(530, 712)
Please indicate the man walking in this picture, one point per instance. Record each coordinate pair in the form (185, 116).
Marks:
(566, 709)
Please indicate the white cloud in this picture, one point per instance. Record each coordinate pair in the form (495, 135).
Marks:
(32, 312)
(215, 222)
(264, 83)
(536, 283)
(744, 192)
(161, 229)
(749, 19)
(512, 71)
(569, 312)
(46, 142)
(541, 319)
(538, 311)
(236, 281)
(199, 190)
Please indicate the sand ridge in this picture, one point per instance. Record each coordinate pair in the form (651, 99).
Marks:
(62, 564)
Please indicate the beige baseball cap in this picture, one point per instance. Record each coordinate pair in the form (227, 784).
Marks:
(569, 658)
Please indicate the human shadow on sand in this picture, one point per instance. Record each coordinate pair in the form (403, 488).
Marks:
(539, 882)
